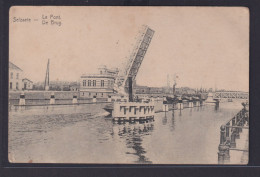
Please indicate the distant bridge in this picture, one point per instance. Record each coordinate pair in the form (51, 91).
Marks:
(231, 95)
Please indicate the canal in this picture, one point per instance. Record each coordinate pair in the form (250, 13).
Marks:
(84, 134)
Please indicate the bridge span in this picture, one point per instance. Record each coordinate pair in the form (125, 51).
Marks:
(231, 95)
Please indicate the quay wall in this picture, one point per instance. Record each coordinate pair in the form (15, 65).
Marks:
(42, 95)
(61, 98)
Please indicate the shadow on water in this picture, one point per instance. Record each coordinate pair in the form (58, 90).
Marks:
(133, 134)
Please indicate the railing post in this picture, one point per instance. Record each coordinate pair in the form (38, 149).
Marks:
(236, 130)
(247, 117)
(241, 120)
(227, 134)
(240, 124)
(233, 139)
(233, 121)
(222, 135)
(223, 154)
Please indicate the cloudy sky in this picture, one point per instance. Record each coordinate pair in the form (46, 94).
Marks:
(204, 46)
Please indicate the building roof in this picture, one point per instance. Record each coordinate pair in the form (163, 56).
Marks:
(27, 80)
(13, 66)
(96, 76)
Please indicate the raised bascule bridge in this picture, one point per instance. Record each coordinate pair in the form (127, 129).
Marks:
(132, 110)
(126, 76)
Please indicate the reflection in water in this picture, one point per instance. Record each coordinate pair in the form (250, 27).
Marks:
(180, 113)
(172, 122)
(164, 119)
(216, 107)
(190, 113)
(132, 133)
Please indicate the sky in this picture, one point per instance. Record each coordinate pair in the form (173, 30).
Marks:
(205, 46)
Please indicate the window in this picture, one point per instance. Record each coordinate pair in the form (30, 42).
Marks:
(89, 94)
(101, 94)
(94, 83)
(89, 82)
(84, 83)
(12, 75)
(82, 93)
(11, 85)
(17, 86)
(102, 83)
(17, 75)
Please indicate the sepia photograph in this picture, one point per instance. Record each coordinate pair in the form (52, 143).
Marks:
(128, 85)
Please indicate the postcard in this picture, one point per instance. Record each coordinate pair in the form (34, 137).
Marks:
(128, 85)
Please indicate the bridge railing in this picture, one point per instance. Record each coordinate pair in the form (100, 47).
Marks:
(229, 132)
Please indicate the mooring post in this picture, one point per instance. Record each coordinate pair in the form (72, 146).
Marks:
(22, 99)
(109, 98)
(165, 105)
(180, 104)
(75, 99)
(190, 103)
(197, 103)
(94, 100)
(52, 99)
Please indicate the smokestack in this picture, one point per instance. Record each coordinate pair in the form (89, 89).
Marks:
(130, 90)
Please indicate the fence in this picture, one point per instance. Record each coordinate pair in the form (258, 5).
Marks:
(229, 132)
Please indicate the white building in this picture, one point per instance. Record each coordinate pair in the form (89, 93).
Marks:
(27, 84)
(15, 77)
(100, 85)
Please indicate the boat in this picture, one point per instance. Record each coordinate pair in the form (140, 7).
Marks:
(210, 99)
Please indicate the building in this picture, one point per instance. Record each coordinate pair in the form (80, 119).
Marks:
(74, 86)
(15, 77)
(145, 91)
(100, 85)
(27, 84)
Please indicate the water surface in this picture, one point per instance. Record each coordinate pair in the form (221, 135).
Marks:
(83, 134)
